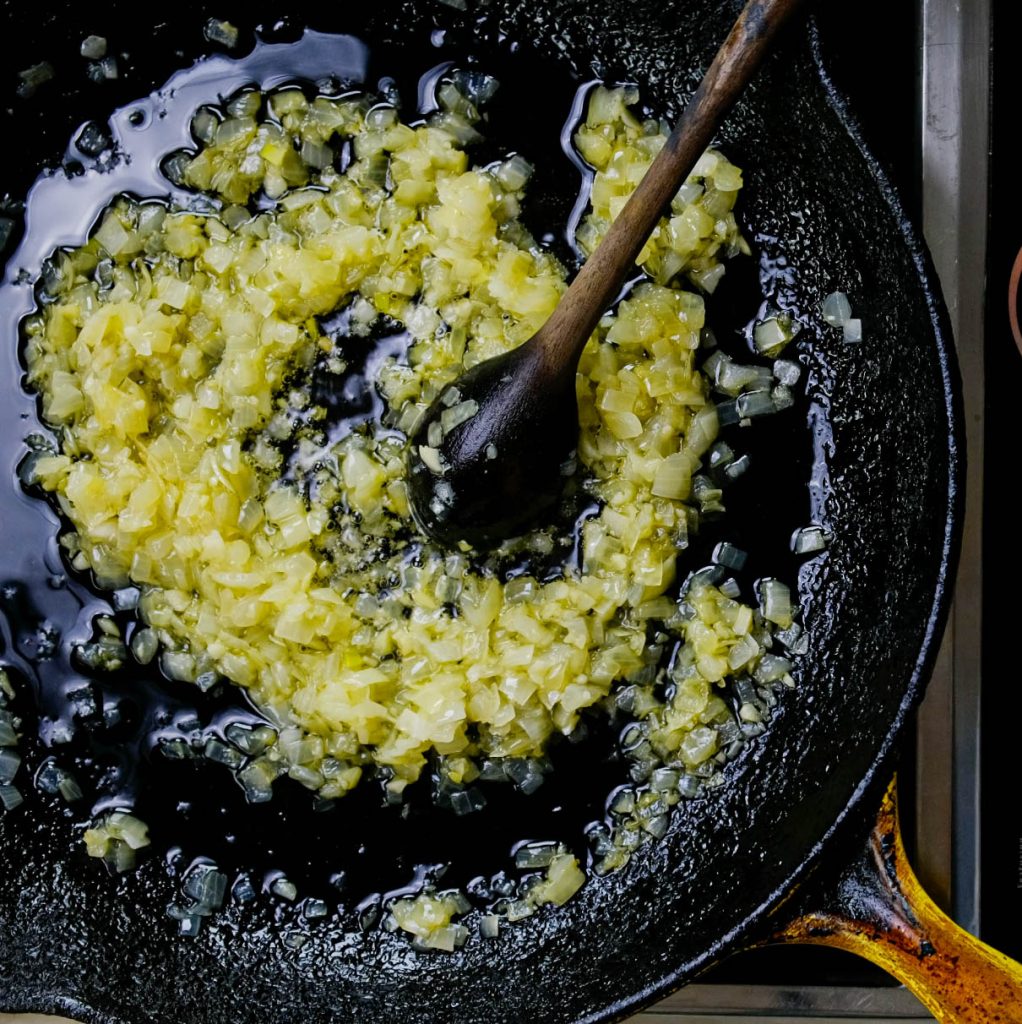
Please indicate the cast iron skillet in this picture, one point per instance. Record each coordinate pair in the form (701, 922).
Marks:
(887, 441)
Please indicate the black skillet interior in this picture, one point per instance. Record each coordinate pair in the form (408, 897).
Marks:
(880, 448)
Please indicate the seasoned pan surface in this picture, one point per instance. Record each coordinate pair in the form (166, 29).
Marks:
(882, 464)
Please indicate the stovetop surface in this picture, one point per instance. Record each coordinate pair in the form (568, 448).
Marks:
(873, 50)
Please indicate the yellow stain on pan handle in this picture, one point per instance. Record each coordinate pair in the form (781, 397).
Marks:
(879, 911)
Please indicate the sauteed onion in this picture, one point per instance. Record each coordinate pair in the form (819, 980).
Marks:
(176, 353)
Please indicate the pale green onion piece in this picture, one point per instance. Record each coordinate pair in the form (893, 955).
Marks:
(475, 85)
(205, 124)
(144, 645)
(750, 713)
(93, 47)
(116, 837)
(126, 599)
(222, 32)
(808, 540)
(836, 309)
(284, 888)
(113, 236)
(34, 76)
(689, 786)
(737, 468)
(771, 336)
(431, 459)
(175, 749)
(251, 740)
(245, 104)
(775, 602)
(787, 372)
(10, 797)
(535, 855)
(755, 403)
(771, 669)
(665, 779)
(732, 378)
(132, 831)
(315, 909)
(457, 414)
(218, 751)
(852, 331)
(727, 413)
(743, 652)
(721, 455)
(179, 666)
(698, 745)
(68, 788)
(563, 879)
(317, 155)
(257, 779)
(709, 279)
(673, 476)
(8, 737)
(92, 139)
(730, 556)
(10, 762)
(514, 173)
(207, 886)
(243, 890)
(703, 430)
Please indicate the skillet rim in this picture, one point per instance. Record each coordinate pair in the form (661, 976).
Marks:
(936, 620)
(877, 776)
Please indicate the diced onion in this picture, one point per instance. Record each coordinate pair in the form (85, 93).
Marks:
(222, 32)
(10, 797)
(93, 47)
(773, 335)
(174, 354)
(836, 309)
(775, 602)
(34, 76)
(808, 540)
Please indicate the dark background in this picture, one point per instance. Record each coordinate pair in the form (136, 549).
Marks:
(1001, 869)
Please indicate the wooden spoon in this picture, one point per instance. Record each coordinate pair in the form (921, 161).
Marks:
(488, 477)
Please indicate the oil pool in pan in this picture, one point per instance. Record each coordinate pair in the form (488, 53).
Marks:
(355, 853)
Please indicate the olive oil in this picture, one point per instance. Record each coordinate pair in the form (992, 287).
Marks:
(113, 730)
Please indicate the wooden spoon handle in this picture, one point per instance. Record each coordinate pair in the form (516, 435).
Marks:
(597, 284)
(880, 911)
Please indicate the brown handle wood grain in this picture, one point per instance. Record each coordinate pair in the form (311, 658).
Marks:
(599, 280)
(880, 911)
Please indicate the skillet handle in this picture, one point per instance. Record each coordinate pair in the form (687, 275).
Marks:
(880, 911)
